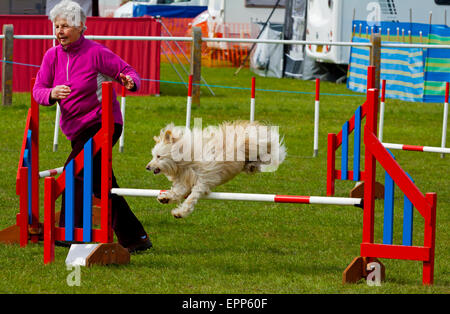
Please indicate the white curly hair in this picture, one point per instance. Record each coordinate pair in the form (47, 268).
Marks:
(71, 11)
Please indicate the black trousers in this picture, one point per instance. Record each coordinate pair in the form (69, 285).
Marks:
(126, 226)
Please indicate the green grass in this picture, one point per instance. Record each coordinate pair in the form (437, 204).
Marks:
(238, 247)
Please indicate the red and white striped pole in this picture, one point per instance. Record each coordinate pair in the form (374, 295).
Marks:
(252, 101)
(383, 97)
(189, 103)
(122, 109)
(50, 172)
(344, 201)
(416, 148)
(316, 119)
(444, 123)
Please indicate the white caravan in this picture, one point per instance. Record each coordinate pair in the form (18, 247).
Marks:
(126, 10)
(237, 19)
(245, 11)
(331, 20)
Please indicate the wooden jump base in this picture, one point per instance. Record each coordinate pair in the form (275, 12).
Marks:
(344, 201)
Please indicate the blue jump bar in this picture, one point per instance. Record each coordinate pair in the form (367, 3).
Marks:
(407, 220)
(357, 145)
(388, 224)
(27, 164)
(87, 192)
(344, 152)
(69, 201)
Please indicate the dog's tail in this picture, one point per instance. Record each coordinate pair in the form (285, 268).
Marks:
(282, 152)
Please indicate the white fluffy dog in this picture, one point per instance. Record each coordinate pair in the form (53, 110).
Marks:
(196, 161)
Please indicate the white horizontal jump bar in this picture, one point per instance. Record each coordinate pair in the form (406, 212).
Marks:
(205, 39)
(427, 149)
(335, 200)
(107, 37)
(251, 197)
(238, 40)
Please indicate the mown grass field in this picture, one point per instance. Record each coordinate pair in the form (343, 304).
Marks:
(239, 247)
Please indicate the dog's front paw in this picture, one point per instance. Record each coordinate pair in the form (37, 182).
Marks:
(164, 198)
(180, 213)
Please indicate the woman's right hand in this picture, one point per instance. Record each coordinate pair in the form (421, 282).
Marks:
(60, 92)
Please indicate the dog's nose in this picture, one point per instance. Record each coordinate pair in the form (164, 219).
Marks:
(148, 168)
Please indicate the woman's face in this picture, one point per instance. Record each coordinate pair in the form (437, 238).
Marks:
(66, 34)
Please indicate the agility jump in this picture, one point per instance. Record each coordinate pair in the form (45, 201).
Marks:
(28, 225)
(394, 175)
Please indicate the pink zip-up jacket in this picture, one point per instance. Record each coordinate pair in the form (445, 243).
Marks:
(83, 66)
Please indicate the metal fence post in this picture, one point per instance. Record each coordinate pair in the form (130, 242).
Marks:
(196, 65)
(375, 57)
(7, 66)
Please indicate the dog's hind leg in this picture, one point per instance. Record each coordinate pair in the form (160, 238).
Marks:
(251, 167)
(187, 207)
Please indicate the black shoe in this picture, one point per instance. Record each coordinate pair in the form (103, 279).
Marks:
(66, 243)
(141, 245)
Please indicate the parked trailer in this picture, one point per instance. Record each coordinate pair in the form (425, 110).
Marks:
(233, 19)
(331, 20)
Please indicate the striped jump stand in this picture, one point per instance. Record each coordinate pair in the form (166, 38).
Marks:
(28, 227)
(394, 176)
(107, 252)
(341, 140)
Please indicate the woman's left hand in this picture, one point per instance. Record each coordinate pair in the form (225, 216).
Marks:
(127, 81)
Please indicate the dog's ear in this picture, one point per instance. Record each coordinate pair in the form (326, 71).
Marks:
(168, 137)
(156, 139)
